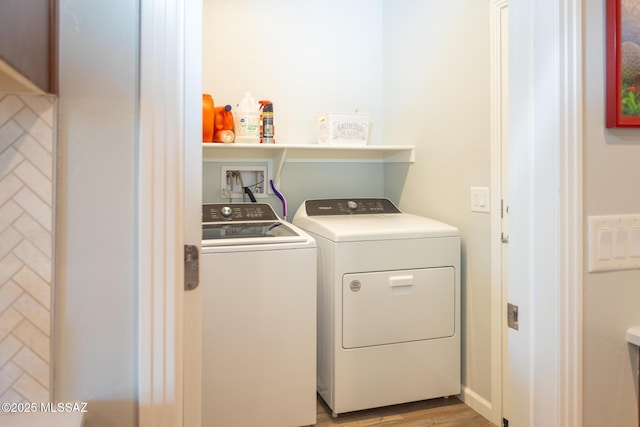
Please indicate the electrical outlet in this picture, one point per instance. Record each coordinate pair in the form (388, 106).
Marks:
(235, 179)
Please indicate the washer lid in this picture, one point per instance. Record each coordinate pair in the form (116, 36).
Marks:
(233, 224)
(251, 233)
(246, 230)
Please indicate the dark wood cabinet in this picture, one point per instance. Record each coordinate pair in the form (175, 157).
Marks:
(28, 40)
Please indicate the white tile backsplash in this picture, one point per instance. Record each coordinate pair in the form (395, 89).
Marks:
(9, 319)
(9, 159)
(33, 391)
(9, 133)
(9, 292)
(33, 338)
(35, 207)
(33, 365)
(34, 285)
(5, 382)
(34, 233)
(27, 129)
(35, 180)
(12, 371)
(9, 212)
(30, 255)
(9, 187)
(36, 153)
(32, 310)
(9, 265)
(11, 396)
(9, 239)
(8, 348)
(9, 107)
(41, 106)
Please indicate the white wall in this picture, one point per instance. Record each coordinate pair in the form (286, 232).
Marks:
(610, 298)
(306, 64)
(436, 96)
(410, 63)
(95, 289)
(306, 60)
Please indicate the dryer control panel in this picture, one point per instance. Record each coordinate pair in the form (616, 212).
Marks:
(350, 207)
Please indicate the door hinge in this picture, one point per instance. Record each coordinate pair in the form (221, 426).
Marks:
(512, 316)
(503, 209)
(191, 267)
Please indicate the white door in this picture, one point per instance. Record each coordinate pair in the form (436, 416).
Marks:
(504, 201)
(169, 216)
(516, 364)
(499, 214)
(192, 221)
(545, 221)
(417, 305)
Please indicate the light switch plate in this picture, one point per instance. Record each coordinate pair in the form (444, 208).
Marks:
(480, 199)
(614, 242)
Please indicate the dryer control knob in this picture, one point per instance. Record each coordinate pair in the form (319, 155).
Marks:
(352, 205)
(226, 211)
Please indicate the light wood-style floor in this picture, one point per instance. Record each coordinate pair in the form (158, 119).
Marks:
(449, 412)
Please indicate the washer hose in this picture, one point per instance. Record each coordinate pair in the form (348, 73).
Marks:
(282, 199)
(248, 191)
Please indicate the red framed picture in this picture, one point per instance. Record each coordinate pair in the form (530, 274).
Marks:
(623, 63)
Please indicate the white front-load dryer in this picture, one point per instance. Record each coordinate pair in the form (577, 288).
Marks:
(388, 303)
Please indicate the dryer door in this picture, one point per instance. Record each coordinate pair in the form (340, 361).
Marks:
(397, 306)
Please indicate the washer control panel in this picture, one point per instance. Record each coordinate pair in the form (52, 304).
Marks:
(350, 207)
(220, 212)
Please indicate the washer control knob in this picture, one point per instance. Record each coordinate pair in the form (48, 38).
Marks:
(351, 205)
(226, 211)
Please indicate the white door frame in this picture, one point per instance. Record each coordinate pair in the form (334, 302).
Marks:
(161, 210)
(169, 138)
(570, 212)
(546, 217)
(192, 222)
(497, 9)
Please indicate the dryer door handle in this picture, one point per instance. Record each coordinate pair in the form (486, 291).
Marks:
(397, 281)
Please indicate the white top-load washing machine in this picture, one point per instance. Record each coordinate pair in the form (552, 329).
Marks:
(388, 303)
(258, 279)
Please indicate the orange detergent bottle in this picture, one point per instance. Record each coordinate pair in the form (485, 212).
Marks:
(223, 124)
(207, 118)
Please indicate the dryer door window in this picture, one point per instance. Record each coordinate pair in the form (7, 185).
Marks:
(397, 306)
